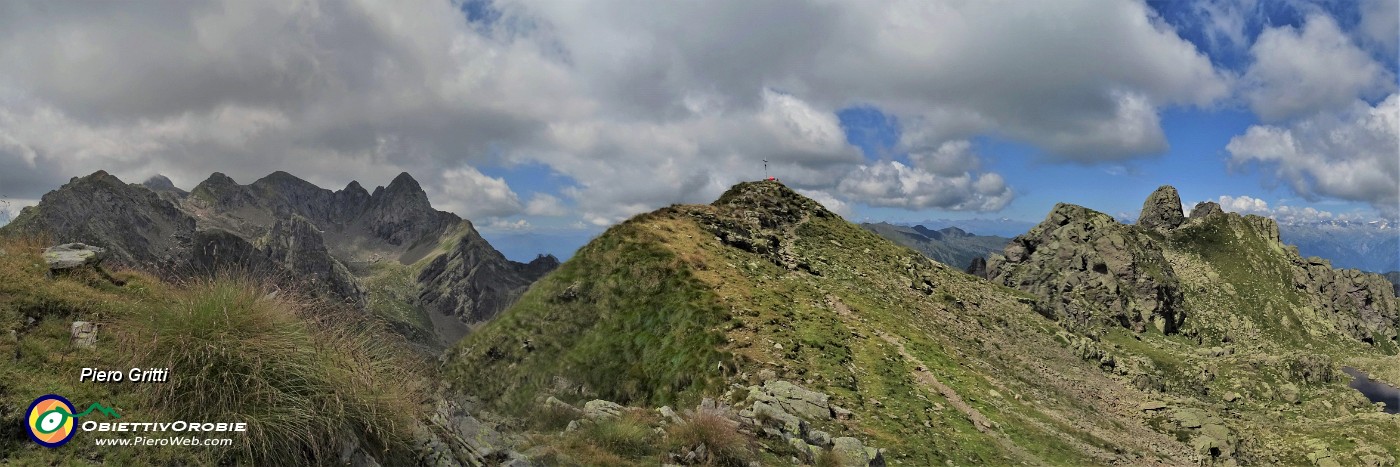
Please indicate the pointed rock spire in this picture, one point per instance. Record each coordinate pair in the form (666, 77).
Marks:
(1162, 210)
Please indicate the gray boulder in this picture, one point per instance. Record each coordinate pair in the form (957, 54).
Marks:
(73, 255)
(601, 410)
(84, 334)
(794, 399)
(850, 451)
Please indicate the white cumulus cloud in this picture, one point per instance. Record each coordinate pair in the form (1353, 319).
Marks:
(1316, 69)
(1352, 155)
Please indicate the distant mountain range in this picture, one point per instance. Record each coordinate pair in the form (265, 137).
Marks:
(999, 227)
(950, 245)
(1368, 246)
(428, 273)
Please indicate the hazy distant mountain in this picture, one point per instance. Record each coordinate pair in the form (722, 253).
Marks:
(950, 245)
(1000, 227)
(1369, 246)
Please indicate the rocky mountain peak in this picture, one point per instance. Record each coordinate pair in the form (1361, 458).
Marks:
(100, 177)
(405, 184)
(160, 182)
(354, 187)
(223, 191)
(772, 202)
(284, 182)
(1162, 210)
(954, 232)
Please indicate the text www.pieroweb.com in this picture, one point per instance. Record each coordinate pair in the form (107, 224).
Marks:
(164, 441)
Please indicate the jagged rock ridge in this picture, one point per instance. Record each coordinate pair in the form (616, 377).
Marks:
(1087, 267)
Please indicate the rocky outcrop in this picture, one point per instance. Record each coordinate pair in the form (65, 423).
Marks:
(762, 218)
(978, 267)
(1264, 226)
(1162, 210)
(473, 282)
(1089, 270)
(784, 411)
(1206, 209)
(1363, 305)
(778, 417)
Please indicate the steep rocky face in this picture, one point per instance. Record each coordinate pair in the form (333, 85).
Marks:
(1089, 269)
(353, 198)
(1362, 304)
(1162, 210)
(401, 214)
(473, 282)
(296, 244)
(137, 227)
(288, 195)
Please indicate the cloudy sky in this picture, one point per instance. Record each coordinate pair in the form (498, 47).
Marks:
(558, 117)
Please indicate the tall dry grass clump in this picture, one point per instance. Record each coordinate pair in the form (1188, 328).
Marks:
(308, 380)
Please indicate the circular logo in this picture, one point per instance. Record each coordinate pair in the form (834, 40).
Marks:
(50, 420)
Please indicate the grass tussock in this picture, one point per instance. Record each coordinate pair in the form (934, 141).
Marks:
(623, 441)
(724, 445)
(551, 417)
(305, 378)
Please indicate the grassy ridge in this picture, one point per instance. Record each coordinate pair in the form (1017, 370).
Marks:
(306, 379)
(623, 297)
